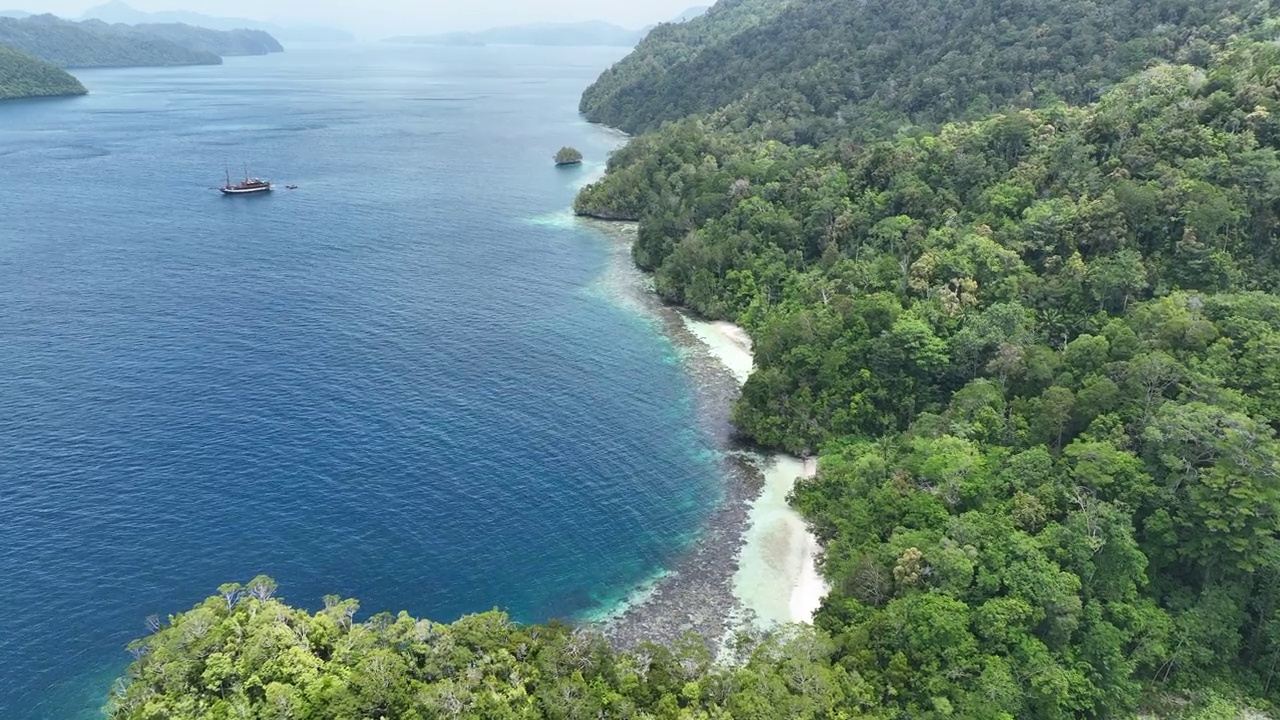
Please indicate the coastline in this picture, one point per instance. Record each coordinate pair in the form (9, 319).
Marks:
(777, 580)
(753, 566)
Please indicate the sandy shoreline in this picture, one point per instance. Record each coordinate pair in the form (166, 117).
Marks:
(754, 561)
(777, 579)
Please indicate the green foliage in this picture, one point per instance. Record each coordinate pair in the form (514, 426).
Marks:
(805, 70)
(1036, 349)
(568, 156)
(661, 56)
(225, 43)
(244, 653)
(22, 76)
(1125, 556)
(878, 281)
(93, 43)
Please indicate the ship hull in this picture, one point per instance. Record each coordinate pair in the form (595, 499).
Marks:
(246, 191)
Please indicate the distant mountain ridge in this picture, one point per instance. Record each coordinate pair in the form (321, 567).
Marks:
(691, 13)
(845, 66)
(555, 34)
(226, 43)
(94, 43)
(577, 34)
(120, 12)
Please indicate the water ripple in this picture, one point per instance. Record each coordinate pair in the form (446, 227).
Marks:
(388, 383)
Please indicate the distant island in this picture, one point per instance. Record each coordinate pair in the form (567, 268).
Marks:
(226, 43)
(119, 12)
(694, 12)
(577, 34)
(568, 156)
(22, 76)
(94, 43)
(550, 34)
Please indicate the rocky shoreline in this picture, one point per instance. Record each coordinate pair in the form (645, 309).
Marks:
(697, 595)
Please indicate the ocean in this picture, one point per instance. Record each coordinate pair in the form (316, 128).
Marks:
(404, 381)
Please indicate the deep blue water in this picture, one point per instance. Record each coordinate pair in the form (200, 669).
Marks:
(400, 382)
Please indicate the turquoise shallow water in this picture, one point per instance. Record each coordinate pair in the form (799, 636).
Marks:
(399, 382)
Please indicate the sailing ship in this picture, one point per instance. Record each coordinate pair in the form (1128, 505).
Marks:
(246, 186)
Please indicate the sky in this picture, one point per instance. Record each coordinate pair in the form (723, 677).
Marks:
(389, 17)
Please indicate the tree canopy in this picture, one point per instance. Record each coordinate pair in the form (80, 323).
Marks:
(93, 43)
(568, 156)
(22, 76)
(226, 43)
(244, 653)
(807, 70)
(1023, 313)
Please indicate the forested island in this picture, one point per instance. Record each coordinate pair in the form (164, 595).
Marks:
(116, 12)
(93, 43)
(22, 76)
(576, 34)
(226, 43)
(1010, 271)
(568, 156)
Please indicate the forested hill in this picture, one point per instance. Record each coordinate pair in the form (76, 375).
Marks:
(579, 34)
(622, 95)
(815, 68)
(1033, 338)
(93, 43)
(226, 43)
(245, 654)
(22, 76)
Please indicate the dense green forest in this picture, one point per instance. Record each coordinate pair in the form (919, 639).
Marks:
(244, 654)
(22, 76)
(1034, 353)
(1016, 289)
(666, 47)
(807, 70)
(93, 43)
(568, 156)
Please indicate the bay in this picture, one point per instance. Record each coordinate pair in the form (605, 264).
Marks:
(403, 381)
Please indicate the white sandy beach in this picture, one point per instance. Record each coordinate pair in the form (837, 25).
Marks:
(777, 579)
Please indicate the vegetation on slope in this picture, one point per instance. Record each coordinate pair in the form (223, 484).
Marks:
(226, 43)
(93, 44)
(568, 156)
(243, 653)
(806, 70)
(550, 34)
(22, 76)
(664, 49)
(1075, 213)
(1034, 353)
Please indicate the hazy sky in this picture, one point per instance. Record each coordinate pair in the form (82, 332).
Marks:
(387, 17)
